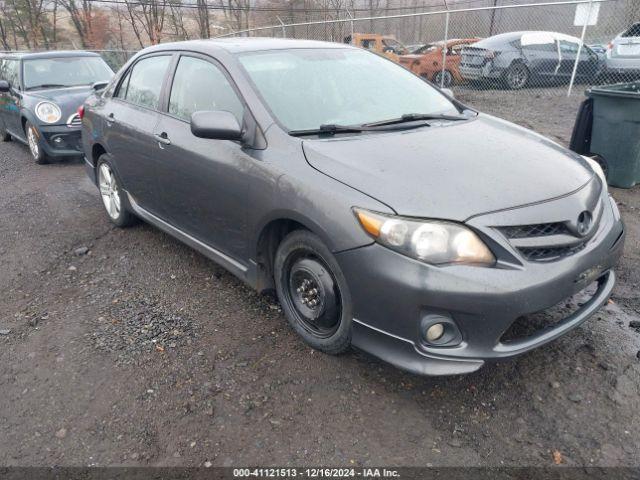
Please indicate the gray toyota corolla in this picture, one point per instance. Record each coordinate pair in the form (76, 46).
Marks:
(385, 214)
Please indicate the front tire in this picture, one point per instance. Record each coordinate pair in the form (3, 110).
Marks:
(113, 196)
(35, 144)
(313, 292)
(4, 135)
(517, 76)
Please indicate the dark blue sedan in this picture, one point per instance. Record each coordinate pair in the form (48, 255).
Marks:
(39, 98)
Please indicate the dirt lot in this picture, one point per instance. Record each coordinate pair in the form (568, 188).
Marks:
(127, 348)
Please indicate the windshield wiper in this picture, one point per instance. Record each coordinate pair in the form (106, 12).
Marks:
(332, 129)
(46, 85)
(328, 129)
(413, 117)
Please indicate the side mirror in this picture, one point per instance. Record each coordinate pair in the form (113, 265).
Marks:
(448, 92)
(217, 125)
(97, 86)
(4, 86)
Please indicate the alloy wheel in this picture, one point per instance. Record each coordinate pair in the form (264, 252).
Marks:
(517, 76)
(109, 191)
(32, 139)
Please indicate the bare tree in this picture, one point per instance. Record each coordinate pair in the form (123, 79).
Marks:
(4, 33)
(176, 20)
(203, 19)
(28, 21)
(132, 19)
(236, 13)
(81, 15)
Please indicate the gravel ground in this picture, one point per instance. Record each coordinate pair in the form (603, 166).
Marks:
(125, 347)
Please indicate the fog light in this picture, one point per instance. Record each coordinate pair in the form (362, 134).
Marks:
(434, 332)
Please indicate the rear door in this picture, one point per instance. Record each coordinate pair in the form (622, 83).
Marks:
(131, 116)
(543, 59)
(203, 183)
(588, 64)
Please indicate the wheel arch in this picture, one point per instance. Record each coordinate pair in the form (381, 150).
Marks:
(97, 150)
(271, 233)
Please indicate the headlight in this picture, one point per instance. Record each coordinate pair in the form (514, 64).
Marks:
(48, 112)
(595, 166)
(432, 241)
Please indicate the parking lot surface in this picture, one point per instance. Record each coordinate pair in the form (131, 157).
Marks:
(124, 347)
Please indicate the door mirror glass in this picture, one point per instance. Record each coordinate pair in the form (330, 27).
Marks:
(218, 125)
(4, 86)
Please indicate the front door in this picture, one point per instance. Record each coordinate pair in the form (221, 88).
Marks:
(10, 101)
(203, 183)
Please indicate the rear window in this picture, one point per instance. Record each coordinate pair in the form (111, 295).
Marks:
(634, 31)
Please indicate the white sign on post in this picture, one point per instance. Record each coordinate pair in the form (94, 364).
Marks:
(586, 14)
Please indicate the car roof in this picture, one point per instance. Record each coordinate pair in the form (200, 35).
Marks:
(238, 45)
(510, 36)
(48, 54)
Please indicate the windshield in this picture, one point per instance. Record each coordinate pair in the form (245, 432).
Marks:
(306, 88)
(65, 72)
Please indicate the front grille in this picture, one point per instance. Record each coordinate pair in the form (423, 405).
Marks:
(531, 324)
(74, 121)
(545, 242)
(537, 230)
(534, 254)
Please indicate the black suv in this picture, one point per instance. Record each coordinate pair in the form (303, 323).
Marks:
(39, 97)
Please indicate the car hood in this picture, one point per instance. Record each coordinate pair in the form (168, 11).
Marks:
(453, 171)
(68, 99)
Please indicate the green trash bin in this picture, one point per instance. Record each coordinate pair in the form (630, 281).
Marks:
(615, 135)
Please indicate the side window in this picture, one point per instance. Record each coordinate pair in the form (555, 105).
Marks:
(634, 31)
(568, 47)
(9, 71)
(200, 85)
(457, 49)
(145, 81)
(369, 44)
(124, 84)
(541, 47)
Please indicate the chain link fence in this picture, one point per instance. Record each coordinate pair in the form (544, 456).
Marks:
(529, 63)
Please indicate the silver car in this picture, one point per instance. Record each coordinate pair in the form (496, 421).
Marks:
(623, 54)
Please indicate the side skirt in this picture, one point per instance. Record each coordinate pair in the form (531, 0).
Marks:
(235, 267)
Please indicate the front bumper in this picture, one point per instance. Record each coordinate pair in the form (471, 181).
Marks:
(61, 140)
(392, 293)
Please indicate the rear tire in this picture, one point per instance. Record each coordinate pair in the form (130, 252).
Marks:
(4, 135)
(34, 141)
(313, 292)
(439, 76)
(114, 198)
(516, 76)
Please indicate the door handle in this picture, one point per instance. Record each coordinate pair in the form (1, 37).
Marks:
(110, 119)
(162, 139)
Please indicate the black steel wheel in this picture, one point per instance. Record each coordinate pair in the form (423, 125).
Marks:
(313, 292)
